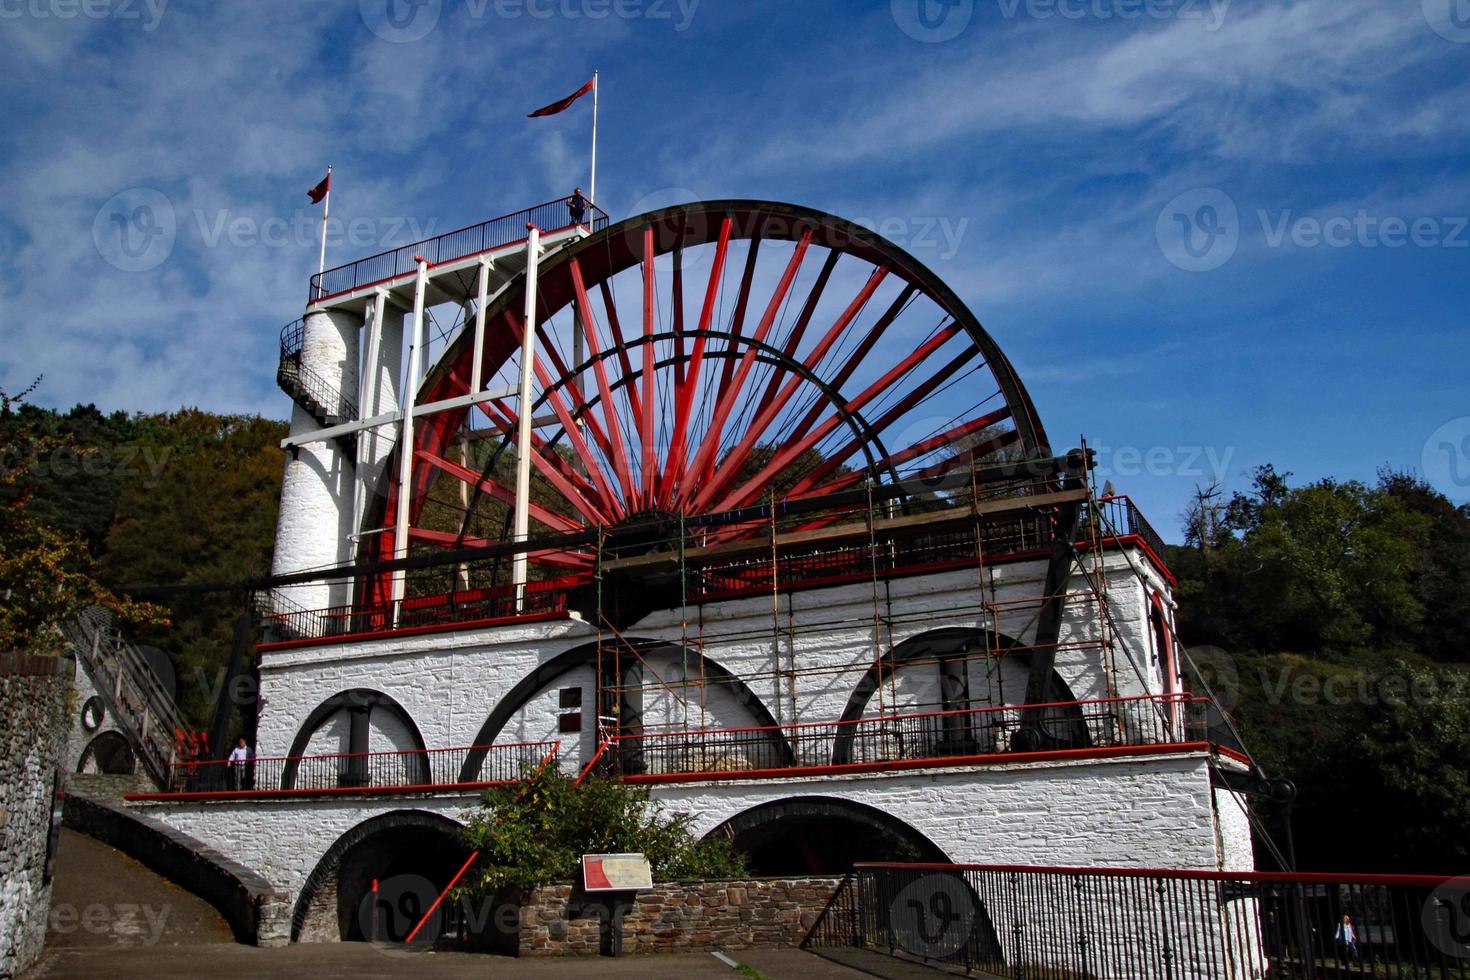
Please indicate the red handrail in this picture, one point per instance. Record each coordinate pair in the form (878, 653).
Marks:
(882, 719)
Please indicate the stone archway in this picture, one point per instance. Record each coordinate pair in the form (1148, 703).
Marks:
(823, 835)
(360, 703)
(110, 753)
(949, 649)
(411, 854)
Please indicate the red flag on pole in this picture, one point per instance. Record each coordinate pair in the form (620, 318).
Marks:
(320, 190)
(561, 104)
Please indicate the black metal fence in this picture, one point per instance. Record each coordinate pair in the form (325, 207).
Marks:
(1065, 923)
(362, 770)
(554, 215)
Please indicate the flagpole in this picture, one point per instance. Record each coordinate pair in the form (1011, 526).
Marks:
(321, 262)
(592, 184)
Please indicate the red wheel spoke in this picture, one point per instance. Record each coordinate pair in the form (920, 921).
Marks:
(752, 487)
(649, 394)
(811, 483)
(630, 389)
(578, 397)
(497, 490)
(579, 445)
(445, 539)
(976, 452)
(875, 332)
(774, 402)
(618, 452)
(704, 460)
(675, 463)
(904, 404)
(542, 459)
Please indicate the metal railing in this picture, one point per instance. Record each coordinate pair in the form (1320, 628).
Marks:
(1120, 516)
(320, 397)
(907, 552)
(436, 768)
(472, 605)
(143, 710)
(932, 736)
(897, 552)
(554, 215)
(1062, 923)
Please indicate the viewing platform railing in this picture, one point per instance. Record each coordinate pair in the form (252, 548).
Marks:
(926, 737)
(1053, 923)
(507, 229)
(355, 772)
(900, 741)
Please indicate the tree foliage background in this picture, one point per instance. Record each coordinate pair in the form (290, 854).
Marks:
(129, 500)
(1342, 610)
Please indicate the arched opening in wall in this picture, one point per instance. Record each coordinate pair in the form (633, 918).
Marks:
(108, 753)
(635, 687)
(409, 855)
(822, 835)
(961, 691)
(355, 738)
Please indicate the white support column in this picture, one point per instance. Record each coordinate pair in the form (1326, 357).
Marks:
(522, 526)
(477, 360)
(405, 442)
(367, 400)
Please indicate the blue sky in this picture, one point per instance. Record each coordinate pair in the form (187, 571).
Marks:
(1045, 157)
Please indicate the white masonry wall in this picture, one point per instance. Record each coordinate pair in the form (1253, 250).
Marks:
(450, 682)
(1152, 812)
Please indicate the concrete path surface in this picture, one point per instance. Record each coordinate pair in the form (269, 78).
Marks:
(113, 918)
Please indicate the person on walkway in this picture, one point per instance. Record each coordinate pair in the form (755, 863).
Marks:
(239, 764)
(577, 205)
(1347, 939)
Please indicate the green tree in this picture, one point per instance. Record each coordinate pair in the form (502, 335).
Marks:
(46, 572)
(207, 516)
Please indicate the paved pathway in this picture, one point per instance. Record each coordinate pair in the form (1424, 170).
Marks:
(114, 918)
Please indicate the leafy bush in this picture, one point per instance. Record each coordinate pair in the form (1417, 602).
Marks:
(536, 832)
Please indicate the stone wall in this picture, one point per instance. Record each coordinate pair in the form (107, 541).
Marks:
(33, 703)
(680, 916)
